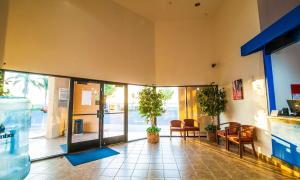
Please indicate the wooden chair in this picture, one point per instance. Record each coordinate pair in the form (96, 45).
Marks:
(245, 136)
(176, 125)
(233, 128)
(189, 125)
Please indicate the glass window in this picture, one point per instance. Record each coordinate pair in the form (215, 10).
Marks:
(172, 109)
(48, 131)
(136, 124)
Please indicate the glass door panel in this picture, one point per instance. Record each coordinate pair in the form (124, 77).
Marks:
(114, 113)
(86, 114)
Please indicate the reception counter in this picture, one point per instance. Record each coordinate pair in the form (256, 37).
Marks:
(286, 138)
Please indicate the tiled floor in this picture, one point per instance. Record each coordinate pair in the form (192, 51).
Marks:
(42, 147)
(170, 159)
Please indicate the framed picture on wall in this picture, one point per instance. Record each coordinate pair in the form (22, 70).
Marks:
(237, 89)
(295, 88)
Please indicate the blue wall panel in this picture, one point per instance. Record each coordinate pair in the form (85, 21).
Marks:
(270, 82)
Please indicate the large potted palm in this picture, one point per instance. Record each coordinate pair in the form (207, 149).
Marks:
(151, 106)
(212, 102)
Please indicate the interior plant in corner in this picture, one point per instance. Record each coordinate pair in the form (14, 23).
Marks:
(212, 102)
(151, 106)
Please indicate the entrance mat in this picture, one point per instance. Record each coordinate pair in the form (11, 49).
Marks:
(64, 147)
(90, 155)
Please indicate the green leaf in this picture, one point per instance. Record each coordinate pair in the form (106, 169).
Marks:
(151, 104)
(212, 102)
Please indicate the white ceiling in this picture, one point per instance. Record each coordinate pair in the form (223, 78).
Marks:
(164, 10)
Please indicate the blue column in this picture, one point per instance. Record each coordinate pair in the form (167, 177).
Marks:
(270, 81)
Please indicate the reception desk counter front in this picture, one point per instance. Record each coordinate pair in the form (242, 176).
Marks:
(286, 139)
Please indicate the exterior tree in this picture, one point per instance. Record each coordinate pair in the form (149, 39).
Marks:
(168, 93)
(2, 82)
(40, 82)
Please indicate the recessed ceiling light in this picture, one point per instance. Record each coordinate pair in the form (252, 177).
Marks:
(197, 4)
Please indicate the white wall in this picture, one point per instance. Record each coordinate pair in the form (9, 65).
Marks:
(271, 10)
(184, 52)
(95, 39)
(285, 64)
(235, 23)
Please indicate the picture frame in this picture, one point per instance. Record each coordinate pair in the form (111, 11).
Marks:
(237, 90)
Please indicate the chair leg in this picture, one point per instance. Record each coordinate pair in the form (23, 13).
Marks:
(170, 133)
(254, 149)
(227, 144)
(218, 140)
(187, 132)
(241, 146)
(180, 133)
(184, 135)
(194, 134)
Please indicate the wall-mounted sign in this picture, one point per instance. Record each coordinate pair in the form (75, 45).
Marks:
(63, 94)
(237, 89)
(86, 99)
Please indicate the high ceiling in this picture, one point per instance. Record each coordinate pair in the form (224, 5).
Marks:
(163, 10)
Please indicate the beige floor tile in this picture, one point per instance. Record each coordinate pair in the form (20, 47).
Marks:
(140, 173)
(175, 159)
(155, 174)
(109, 172)
(171, 174)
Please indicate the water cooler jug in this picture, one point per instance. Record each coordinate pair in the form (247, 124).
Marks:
(15, 114)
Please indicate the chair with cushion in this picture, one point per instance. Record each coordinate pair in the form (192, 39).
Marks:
(231, 129)
(176, 125)
(189, 125)
(245, 136)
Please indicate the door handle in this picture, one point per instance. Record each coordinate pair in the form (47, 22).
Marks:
(99, 114)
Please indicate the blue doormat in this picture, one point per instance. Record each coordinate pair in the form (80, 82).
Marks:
(64, 148)
(90, 155)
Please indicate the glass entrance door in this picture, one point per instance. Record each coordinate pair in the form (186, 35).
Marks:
(115, 114)
(85, 115)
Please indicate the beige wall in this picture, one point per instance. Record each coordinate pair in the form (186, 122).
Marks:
(183, 52)
(3, 24)
(236, 23)
(92, 39)
(272, 10)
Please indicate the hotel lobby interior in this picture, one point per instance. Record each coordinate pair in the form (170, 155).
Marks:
(150, 89)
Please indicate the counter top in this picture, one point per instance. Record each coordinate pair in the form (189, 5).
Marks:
(285, 118)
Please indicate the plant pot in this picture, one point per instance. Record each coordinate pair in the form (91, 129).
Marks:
(211, 136)
(153, 138)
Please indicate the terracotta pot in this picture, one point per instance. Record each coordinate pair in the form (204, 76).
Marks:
(153, 138)
(211, 136)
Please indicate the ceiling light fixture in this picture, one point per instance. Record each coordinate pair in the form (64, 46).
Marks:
(197, 4)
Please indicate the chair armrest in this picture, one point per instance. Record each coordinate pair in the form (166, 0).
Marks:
(223, 123)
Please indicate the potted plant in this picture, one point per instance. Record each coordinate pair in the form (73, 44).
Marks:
(151, 106)
(212, 102)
